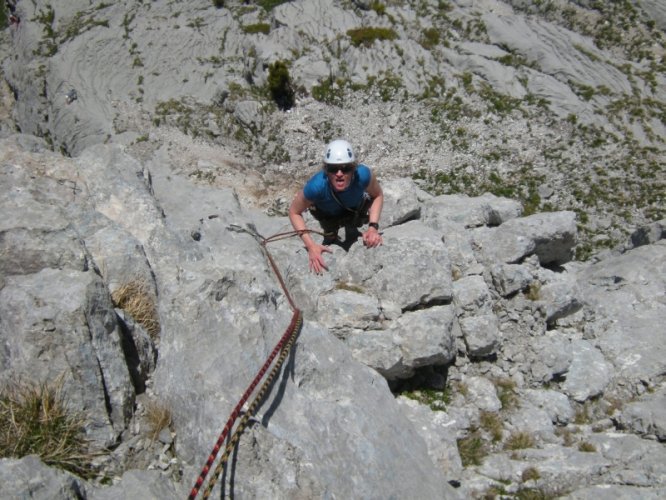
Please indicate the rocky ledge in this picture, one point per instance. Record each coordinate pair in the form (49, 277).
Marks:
(466, 356)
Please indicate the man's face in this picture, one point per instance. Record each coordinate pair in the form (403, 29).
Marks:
(339, 176)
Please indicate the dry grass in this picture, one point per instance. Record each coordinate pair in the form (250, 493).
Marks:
(136, 300)
(350, 287)
(533, 291)
(506, 392)
(34, 419)
(491, 423)
(472, 449)
(587, 447)
(519, 441)
(530, 474)
(158, 416)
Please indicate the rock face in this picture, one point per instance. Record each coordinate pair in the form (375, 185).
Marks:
(469, 355)
(379, 319)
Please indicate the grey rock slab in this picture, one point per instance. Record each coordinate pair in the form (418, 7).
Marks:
(481, 394)
(554, 403)
(553, 233)
(409, 250)
(589, 374)
(61, 326)
(305, 409)
(553, 49)
(553, 355)
(531, 419)
(561, 296)
(636, 461)
(646, 416)
(486, 210)
(341, 309)
(481, 333)
(626, 292)
(29, 477)
(646, 235)
(510, 278)
(403, 200)
(493, 245)
(145, 484)
(439, 431)
(471, 294)
(416, 339)
(616, 492)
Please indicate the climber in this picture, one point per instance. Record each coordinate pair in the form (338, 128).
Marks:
(344, 193)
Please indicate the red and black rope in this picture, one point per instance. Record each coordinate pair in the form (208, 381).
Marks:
(283, 347)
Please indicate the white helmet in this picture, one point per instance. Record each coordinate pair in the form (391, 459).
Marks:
(339, 152)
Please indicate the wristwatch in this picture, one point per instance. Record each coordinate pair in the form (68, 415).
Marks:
(374, 224)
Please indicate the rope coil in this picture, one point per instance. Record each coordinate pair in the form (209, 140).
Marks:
(281, 351)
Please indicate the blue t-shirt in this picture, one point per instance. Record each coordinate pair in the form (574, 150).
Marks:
(319, 191)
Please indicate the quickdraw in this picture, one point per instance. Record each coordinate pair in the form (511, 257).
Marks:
(283, 347)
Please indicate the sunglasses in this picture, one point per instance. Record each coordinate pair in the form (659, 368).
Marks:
(345, 169)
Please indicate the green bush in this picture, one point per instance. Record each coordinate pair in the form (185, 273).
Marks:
(367, 36)
(218, 3)
(257, 28)
(4, 18)
(268, 5)
(329, 91)
(279, 85)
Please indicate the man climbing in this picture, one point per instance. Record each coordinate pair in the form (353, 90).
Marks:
(343, 194)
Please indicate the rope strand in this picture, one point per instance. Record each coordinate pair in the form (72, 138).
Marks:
(283, 347)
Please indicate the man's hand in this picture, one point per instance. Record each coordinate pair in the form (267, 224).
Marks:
(317, 264)
(372, 238)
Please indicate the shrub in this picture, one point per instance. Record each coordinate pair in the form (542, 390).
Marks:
(367, 36)
(519, 441)
(158, 417)
(530, 474)
(429, 38)
(533, 291)
(472, 449)
(269, 5)
(329, 91)
(587, 447)
(34, 419)
(4, 18)
(135, 299)
(491, 423)
(437, 400)
(218, 3)
(506, 392)
(257, 28)
(279, 85)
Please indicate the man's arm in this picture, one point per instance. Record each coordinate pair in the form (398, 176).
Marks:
(372, 238)
(299, 204)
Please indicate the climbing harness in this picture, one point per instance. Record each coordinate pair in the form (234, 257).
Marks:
(281, 351)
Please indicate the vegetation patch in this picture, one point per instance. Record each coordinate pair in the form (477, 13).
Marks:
(519, 441)
(491, 423)
(472, 449)
(136, 300)
(280, 86)
(158, 416)
(586, 447)
(350, 287)
(330, 91)
(435, 399)
(365, 37)
(269, 5)
(35, 419)
(251, 29)
(506, 392)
